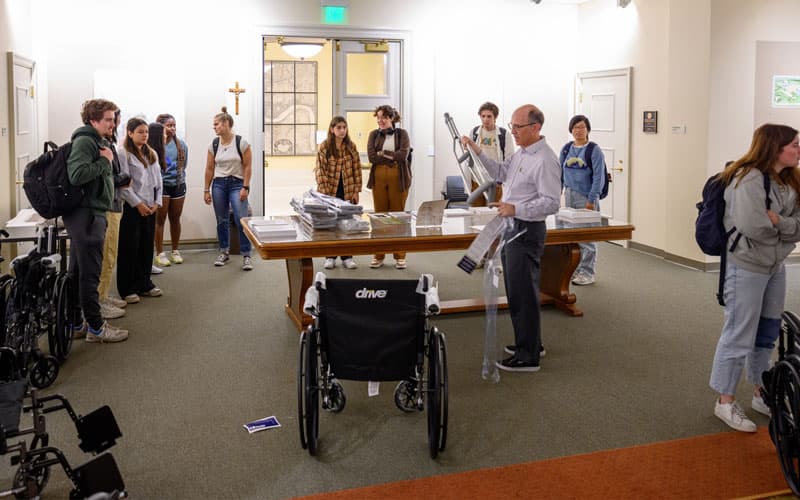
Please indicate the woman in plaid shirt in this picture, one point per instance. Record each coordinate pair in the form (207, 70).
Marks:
(338, 173)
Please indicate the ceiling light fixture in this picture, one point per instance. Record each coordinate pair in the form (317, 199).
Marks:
(623, 3)
(300, 50)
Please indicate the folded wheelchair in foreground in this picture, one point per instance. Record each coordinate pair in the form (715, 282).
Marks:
(372, 330)
(99, 478)
(781, 392)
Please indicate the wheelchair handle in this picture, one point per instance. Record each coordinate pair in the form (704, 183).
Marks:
(51, 261)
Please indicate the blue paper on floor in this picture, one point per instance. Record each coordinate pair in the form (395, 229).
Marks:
(262, 424)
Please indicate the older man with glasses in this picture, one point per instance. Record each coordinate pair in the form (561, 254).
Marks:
(531, 180)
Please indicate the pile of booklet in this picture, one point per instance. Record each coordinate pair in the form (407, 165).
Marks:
(320, 211)
(579, 214)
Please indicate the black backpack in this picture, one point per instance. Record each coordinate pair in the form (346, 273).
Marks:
(589, 150)
(46, 182)
(710, 232)
(215, 146)
(501, 138)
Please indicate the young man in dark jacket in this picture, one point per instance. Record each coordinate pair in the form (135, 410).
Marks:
(89, 166)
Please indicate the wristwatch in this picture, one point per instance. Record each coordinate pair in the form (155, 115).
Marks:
(247, 188)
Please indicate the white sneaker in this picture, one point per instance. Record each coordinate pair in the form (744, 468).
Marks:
(349, 263)
(247, 263)
(116, 302)
(175, 257)
(222, 259)
(161, 260)
(733, 415)
(583, 279)
(110, 311)
(329, 263)
(108, 334)
(132, 299)
(156, 270)
(760, 406)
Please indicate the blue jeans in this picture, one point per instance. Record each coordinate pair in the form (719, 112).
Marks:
(574, 199)
(753, 306)
(225, 196)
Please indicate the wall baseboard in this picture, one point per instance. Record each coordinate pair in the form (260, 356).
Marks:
(694, 264)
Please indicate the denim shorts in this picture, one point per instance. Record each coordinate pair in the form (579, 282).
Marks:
(175, 192)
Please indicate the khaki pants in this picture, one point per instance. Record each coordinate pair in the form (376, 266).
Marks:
(387, 197)
(109, 253)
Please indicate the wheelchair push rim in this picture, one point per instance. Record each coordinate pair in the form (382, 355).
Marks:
(308, 391)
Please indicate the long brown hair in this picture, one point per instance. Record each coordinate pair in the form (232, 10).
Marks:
(163, 118)
(141, 153)
(768, 142)
(347, 145)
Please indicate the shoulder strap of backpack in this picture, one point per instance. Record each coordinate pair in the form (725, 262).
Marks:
(215, 145)
(564, 151)
(501, 136)
(239, 146)
(475, 133)
(767, 189)
(589, 153)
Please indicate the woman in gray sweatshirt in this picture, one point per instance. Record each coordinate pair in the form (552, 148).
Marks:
(755, 277)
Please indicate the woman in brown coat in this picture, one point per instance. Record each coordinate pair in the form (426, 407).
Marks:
(390, 174)
(338, 173)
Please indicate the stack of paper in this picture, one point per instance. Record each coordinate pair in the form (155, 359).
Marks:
(579, 214)
(268, 228)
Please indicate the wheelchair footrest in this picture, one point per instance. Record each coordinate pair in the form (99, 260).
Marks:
(98, 475)
(98, 431)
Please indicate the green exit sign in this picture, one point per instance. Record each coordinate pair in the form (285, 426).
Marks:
(334, 14)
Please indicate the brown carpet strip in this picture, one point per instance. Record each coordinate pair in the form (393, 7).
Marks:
(726, 465)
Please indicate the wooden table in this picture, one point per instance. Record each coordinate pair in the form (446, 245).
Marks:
(561, 254)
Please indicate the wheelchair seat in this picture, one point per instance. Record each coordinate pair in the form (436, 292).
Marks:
(372, 330)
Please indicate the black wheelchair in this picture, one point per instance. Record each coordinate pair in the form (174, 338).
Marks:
(372, 330)
(98, 431)
(781, 392)
(39, 301)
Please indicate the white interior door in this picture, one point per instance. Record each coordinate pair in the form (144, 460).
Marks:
(366, 74)
(22, 105)
(604, 97)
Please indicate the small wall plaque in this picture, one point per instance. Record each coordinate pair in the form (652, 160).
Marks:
(650, 122)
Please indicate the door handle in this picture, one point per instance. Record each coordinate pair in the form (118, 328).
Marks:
(617, 169)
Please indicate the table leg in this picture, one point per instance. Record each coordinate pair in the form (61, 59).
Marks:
(301, 276)
(558, 264)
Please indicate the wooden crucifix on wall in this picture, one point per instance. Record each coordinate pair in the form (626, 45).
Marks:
(236, 91)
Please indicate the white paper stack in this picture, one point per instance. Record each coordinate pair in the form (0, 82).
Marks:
(268, 228)
(579, 214)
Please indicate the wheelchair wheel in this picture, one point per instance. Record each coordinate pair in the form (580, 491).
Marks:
(40, 475)
(307, 391)
(44, 372)
(437, 393)
(65, 315)
(405, 396)
(790, 329)
(335, 399)
(5, 294)
(785, 422)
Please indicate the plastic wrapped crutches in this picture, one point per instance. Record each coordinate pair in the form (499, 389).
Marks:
(491, 284)
(471, 167)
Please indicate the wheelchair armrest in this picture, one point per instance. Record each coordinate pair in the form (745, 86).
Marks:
(311, 304)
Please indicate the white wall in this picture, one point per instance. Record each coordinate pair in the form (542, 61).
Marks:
(527, 55)
(15, 17)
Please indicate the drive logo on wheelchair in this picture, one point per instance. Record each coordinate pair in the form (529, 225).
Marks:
(371, 294)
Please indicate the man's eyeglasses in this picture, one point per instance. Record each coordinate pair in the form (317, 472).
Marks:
(512, 126)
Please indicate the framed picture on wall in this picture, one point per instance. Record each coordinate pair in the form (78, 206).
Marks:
(786, 91)
(290, 108)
